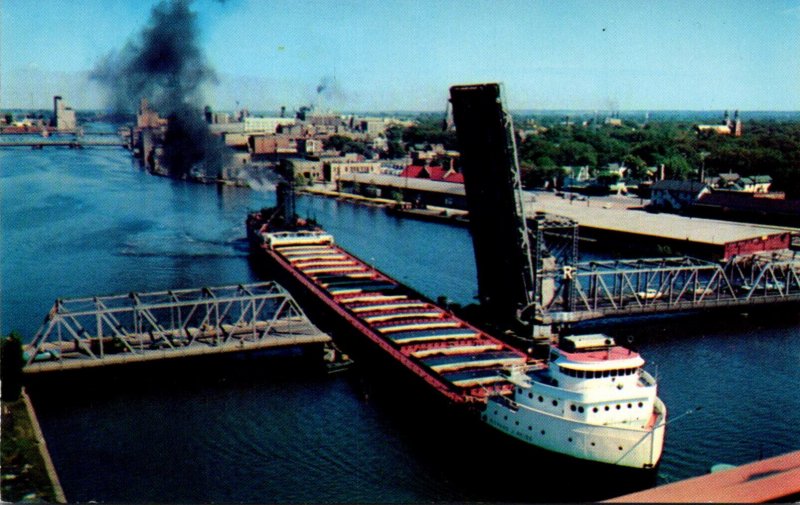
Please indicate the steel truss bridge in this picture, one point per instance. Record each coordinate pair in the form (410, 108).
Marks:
(98, 331)
(595, 289)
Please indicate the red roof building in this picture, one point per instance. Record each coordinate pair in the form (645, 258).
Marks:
(433, 173)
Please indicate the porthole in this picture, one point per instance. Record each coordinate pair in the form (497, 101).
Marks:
(555, 403)
(530, 428)
(592, 444)
(516, 422)
(573, 408)
(505, 418)
(630, 405)
(594, 409)
(580, 409)
(619, 406)
(542, 432)
(530, 395)
(570, 439)
(519, 391)
(620, 448)
(495, 412)
(541, 399)
(607, 408)
(641, 404)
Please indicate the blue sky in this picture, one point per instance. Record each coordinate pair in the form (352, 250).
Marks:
(403, 55)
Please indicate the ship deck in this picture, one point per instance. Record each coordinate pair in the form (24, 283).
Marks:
(459, 360)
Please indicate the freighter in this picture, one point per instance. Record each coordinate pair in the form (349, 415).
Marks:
(590, 399)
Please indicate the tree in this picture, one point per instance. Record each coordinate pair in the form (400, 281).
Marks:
(635, 165)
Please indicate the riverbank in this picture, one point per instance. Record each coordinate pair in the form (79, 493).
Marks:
(28, 474)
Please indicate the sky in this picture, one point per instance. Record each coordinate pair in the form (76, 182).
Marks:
(393, 55)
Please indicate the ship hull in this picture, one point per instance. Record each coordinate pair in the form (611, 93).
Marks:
(616, 446)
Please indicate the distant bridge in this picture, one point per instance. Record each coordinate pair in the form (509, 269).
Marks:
(72, 144)
(136, 327)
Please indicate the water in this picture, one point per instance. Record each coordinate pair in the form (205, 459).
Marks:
(89, 222)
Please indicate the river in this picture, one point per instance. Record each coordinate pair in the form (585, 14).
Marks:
(82, 222)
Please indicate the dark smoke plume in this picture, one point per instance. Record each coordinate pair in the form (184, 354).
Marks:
(166, 65)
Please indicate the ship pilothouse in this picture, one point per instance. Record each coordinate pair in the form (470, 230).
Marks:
(592, 400)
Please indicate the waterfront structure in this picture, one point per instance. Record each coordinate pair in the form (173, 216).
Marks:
(417, 192)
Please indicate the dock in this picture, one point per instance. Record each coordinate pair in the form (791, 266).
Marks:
(136, 327)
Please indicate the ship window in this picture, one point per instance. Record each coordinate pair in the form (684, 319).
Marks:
(555, 403)
(581, 374)
(570, 439)
(530, 428)
(641, 405)
(594, 410)
(607, 408)
(630, 406)
(542, 432)
(614, 373)
(592, 444)
(516, 422)
(519, 390)
(606, 373)
(580, 409)
(620, 448)
(573, 408)
(541, 399)
(530, 395)
(619, 406)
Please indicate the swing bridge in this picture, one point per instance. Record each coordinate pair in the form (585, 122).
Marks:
(136, 327)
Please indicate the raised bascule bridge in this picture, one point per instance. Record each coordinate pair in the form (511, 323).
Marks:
(530, 278)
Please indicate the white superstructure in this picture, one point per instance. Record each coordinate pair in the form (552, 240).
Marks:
(592, 401)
